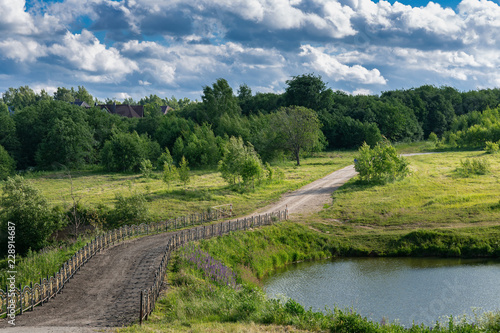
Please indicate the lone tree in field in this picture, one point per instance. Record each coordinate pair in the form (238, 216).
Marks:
(298, 129)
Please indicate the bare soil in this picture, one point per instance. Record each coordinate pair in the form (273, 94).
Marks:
(105, 293)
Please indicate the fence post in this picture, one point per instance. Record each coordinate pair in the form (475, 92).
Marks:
(32, 296)
(20, 298)
(141, 308)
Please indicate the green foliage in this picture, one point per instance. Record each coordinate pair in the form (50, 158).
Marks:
(201, 147)
(67, 142)
(298, 129)
(380, 164)
(170, 173)
(433, 138)
(240, 161)
(130, 209)
(125, 151)
(218, 101)
(7, 164)
(165, 157)
(146, 168)
(475, 166)
(24, 206)
(308, 90)
(448, 243)
(492, 147)
(183, 171)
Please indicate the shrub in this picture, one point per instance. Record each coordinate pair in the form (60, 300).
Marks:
(131, 209)
(380, 164)
(476, 166)
(28, 210)
(491, 147)
(240, 161)
(146, 168)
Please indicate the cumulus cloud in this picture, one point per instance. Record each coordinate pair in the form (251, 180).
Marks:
(85, 52)
(14, 18)
(328, 64)
(22, 49)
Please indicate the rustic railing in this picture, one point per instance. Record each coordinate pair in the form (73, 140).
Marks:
(18, 299)
(149, 296)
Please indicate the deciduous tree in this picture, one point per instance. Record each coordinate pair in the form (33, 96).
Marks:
(298, 129)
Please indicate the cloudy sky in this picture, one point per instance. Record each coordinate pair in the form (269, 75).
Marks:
(133, 48)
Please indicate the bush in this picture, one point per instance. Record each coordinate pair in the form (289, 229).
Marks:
(128, 210)
(29, 211)
(491, 147)
(380, 164)
(240, 161)
(146, 168)
(476, 166)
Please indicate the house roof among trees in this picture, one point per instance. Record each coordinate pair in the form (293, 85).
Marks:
(124, 110)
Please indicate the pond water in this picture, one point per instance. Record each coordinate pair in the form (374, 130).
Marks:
(420, 290)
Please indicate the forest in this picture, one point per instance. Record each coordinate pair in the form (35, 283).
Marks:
(43, 132)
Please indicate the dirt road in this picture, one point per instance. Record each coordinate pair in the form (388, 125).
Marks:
(105, 293)
(312, 197)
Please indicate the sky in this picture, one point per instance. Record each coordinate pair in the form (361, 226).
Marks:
(134, 48)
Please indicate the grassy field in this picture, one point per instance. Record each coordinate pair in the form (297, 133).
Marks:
(435, 195)
(206, 188)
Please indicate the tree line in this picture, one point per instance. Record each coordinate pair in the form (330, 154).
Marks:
(41, 131)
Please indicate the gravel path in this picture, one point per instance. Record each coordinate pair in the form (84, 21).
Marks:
(105, 293)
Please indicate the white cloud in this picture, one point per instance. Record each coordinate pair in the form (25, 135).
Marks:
(333, 69)
(361, 91)
(14, 18)
(22, 49)
(85, 52)
(162, 71)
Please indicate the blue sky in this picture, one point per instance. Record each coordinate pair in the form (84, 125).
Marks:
(134, 48)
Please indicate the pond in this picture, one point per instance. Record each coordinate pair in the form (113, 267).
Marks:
(420, 290)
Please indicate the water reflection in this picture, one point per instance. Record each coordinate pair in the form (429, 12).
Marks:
(408, 289)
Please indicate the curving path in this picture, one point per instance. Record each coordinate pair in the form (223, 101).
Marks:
(105, 293)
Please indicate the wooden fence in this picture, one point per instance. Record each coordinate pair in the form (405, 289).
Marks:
(18, 299)
(149, 296)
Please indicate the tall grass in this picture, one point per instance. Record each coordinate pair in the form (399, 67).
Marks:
(37, 265)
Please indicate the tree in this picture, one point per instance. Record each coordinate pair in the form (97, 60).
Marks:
(310, 91)
(8, 136)
(68, 142)
(170, 173)
(25, 206)
(19, 98)
(219, 100)
(380, 164)
(65, 94)
(7, 164)
(123, 152)
(240, 161)
(298, 129)
(184, 171)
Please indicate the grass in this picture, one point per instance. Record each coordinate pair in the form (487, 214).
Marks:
(206, 189)
(435, 195)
